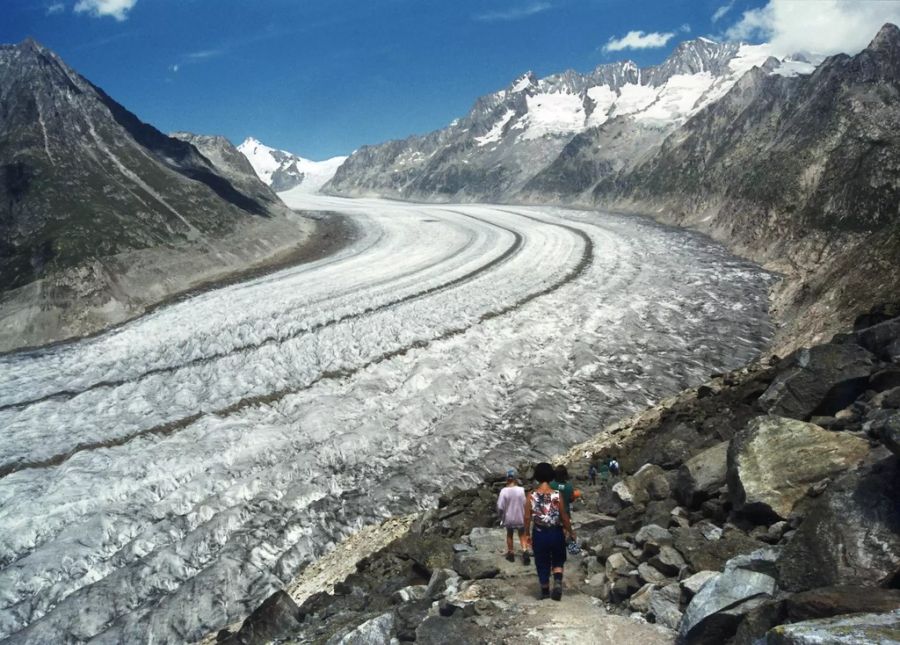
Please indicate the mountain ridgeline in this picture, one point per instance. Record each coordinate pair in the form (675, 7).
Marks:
(792, 162)
(103, 211)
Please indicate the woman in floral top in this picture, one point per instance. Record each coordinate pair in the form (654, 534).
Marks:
(546, 514)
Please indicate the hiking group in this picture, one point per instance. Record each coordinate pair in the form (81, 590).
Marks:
(542, 519)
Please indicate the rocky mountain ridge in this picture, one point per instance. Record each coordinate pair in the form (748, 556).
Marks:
(790, 164)
(283, 170)
(799, 174)
(509, 136)
(100, 209)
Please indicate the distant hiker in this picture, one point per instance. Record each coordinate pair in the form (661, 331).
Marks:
(546, 515)
(592, 474)
(614, 467)
(564, 486)
(604, 472)
(511, 507)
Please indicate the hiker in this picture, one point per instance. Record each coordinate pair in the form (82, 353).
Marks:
(614, 467)
(511, 507)
(546, 516)
(604, 472)
(564, 486)
(592, 474)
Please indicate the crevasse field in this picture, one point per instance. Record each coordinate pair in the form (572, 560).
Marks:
(160, 480)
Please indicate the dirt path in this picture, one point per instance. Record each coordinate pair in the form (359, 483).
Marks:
(577, 618)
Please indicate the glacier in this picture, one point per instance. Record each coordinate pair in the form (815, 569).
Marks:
(161, 479)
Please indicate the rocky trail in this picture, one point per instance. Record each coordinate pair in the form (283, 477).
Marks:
(759, 507)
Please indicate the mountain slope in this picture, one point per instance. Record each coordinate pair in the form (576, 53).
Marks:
(102, 215)
(510, 136)
(801, 173)
(285, 171)
(136, 187)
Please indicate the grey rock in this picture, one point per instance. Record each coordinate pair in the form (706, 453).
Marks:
(727, 592)
(855, 629)
(664, 606)
(881, 339)
(623, 588)
(650, 574)
(667, 561)
(616, 565)
(702, 475)
(702, 554)
(409, 594)
(774, 461)
(640, 600)
(440, 580)
(851, 533)
(475, 566)
(652, 535)
(438, 630)
(820, 380)
(375, 631)
(694, 583)
(825, 602)
(276, 617)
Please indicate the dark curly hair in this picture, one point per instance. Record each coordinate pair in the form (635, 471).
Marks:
(562, 474)
(544, 472)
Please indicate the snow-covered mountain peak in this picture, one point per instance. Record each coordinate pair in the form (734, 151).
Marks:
(284, 170)
(511, 133)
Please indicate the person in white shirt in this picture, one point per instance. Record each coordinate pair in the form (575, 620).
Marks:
(511, 507)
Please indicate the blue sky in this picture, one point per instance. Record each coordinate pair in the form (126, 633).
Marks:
(322, 77)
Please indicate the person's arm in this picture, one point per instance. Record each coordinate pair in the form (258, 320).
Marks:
(527, 520)
(567, 525)
(501, 503)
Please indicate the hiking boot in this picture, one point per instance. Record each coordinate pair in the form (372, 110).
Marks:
(526, 558)
(545, 593)
(510, 557)
(557, 593)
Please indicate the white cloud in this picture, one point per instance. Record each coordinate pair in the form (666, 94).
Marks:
(721, 11)
(514, 13)
(823, 27)
(118, 9)
(56, 7)
(638, 40)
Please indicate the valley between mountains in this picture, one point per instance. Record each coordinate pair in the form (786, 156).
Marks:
(216, 445)
(223, 365)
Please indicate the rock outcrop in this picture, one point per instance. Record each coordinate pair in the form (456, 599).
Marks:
(774, 462)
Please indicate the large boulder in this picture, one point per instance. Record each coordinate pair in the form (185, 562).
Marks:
(834, 601)
(851, 533)
(648, 483)
(773, 462)
(712, 552)
(276, 618)
(882, 339)
(701, 476)
(853, 629)
(820, 380)
(716, 609)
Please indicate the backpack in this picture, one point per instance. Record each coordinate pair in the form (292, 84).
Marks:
(614, 467)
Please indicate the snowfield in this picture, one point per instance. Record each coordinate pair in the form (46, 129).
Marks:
(160, 480)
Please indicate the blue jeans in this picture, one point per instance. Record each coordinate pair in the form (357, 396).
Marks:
(549, 544)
